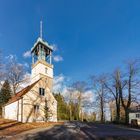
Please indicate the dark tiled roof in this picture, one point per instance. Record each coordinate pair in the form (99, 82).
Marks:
(19, 94)
(135, 109)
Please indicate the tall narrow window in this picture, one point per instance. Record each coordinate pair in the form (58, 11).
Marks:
(41, 91)
(36, 108)
(46, 70)
(137, 115)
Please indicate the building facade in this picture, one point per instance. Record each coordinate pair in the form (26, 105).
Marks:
(134, 114)
(113, 113)
(31, 103)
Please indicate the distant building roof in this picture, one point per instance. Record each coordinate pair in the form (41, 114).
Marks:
(19, 94)
(135, 109)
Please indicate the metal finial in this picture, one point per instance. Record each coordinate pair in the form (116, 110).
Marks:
(41, 29)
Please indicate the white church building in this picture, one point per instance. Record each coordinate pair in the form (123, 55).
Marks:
(29, 104)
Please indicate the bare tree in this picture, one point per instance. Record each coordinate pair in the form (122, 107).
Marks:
(79, 88)
(70, 100)
(15, 74)
(1, 68)
(112, 85)
(131, 90)
(78, 100)
(100, 91)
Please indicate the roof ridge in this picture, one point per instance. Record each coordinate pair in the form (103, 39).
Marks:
(22, 92)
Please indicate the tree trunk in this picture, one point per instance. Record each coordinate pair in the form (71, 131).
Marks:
(79, 107)
(118, 113)
(126, 116)
(102, 111)
(70, 113)
(118, 110)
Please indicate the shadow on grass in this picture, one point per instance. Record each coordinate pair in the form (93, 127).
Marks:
(7, 122)
(11, 125)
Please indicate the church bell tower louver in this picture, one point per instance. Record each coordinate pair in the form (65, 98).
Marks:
(42, 61)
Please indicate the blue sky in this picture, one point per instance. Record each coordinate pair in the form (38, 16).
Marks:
(92, 36)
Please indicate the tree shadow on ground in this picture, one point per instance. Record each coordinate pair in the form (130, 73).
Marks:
(11, 125)
(7, 122)
(84, 132)
(56, 133)
(119, 138)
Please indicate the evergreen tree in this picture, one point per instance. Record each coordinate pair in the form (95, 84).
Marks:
(62, 107)
(5, 93)
(47, 111)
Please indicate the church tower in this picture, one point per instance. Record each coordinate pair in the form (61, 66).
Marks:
(42, 61)
(36, 102)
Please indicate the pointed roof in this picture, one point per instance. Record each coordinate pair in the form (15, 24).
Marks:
(20, 94)
(40, 40)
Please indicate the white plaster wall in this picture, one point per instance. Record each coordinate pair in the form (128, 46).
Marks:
(40, 69)
(54, 110)
(19, 111)
(10, 111)
(35, 78)
(133, 116)
(29, 100)
(32, 98)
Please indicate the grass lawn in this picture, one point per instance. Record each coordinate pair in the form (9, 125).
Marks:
(10, 127)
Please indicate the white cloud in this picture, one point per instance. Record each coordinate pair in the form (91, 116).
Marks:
(27, 54)
(58, 83)
(61, 83)
(59, 78)
(26, 65)
(54, 47)
(11, 57)
(89, 95)
(27, 81)
(57, 58)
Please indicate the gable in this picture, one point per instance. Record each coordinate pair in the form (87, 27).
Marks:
(20, 94)
(44, 83)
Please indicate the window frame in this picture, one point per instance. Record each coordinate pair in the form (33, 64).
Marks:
(137, 115)
(42, 91)
(36, 108)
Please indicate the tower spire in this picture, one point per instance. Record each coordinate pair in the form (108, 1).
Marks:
(41, 29)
